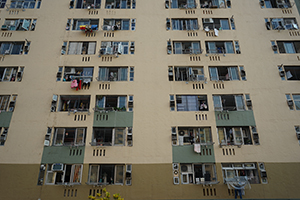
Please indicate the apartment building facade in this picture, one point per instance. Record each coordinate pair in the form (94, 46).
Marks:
(161, 99)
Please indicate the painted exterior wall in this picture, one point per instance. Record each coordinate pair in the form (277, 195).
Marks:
(152, 153)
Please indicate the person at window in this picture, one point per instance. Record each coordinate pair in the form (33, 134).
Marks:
(203, 105)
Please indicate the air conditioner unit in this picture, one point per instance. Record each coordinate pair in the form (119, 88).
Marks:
(128, 175)
(298, 135)
(4, 27)
(290, 102)
(129, 137)
(186, 168)
(263, 174)
(54, 98)
(262, 2)
(47, 143)
(261, 166)
(208, 20)
(174, 137)
(132, 47)
(130, 103)
(57, 167)
(26, 47)
(71, 3)
(172, 103)
(3, 138)
(175, 166)
(281, 73)
(249, 102)
(58, 75)
(274, 47)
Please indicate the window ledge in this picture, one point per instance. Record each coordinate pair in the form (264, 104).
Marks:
(208, 183)
(104, 144)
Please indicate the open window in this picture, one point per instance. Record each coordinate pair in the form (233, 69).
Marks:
(284, 24)
(292, 73)
(188, 74)
(191, 103)
(219, 47)
(277, 4)
(108, 137)
(183, 4)
(2, 3)
(113, 73)
(197, 135)
(111, 102)
(88, 4)
(120, 4)
(244, 171)
(7, 103)
(116, 24)
(74, 103)
(8, 74)
(59, 174)
(69, 137)
(107, 174)
(198, 173)
(19, 24)
(215, 3)
(85, 73)
(114, 48)
(187, 47)
(79, 23)
(228, 102)
(224, 73)
(289, 47)
(82, 48)
(23, 4)
(234, 136)
(185, 24)
(11, 48)
(216, 23)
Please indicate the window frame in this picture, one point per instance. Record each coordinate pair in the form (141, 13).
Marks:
(190, 175)
(74, 143)
(99, 174)
(235, 167)
(64, 171)
(113, 136)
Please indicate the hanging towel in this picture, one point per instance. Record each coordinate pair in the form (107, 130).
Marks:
(197, 148)
(216, 32)
(74, 84)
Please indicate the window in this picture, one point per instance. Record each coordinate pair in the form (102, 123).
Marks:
(296, 98)
(188, 74)
(84, 73)
(219, 47)
(228, 102)
(69, 136)
(131, 74)
(74, 103)
(282, 24)
(191, 135)
(116, 24)
(19, 25)
(7, 103)
(107, 174)
(119, 4)
(111, 48)
(8, 74)
(187, 47)
(191, 103)
(292, 73)
(246, 171)
(93, 23)
(11, 48)
(25, 4)
(214, 3)
(218, 23)
(224, 73)
(198, 173)
(108, 137)
(234, 136)
(185, 4)
(2, 3)
(84, 4)
(113, 74)
(109, 103)
(61, 174)
(289, 47)
(277, 4)
(185, 24)
(3, 135)
(82, 48)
